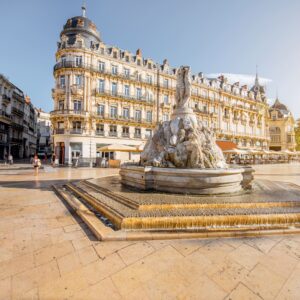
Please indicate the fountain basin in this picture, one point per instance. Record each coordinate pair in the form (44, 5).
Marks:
(186, 181)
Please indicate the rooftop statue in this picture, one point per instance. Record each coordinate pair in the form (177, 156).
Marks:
(183, 142)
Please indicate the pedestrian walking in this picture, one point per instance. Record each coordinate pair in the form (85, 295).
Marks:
(10, 159)
(36, 164)
(53, 159)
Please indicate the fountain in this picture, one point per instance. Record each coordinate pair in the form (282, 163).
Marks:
(190, 191)
(183, 157)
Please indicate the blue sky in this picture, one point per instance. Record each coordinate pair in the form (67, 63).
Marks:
(221, 36)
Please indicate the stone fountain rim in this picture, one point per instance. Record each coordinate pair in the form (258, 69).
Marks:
(189, 171)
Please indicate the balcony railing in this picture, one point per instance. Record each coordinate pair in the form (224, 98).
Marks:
(59, 131)
(17, 111)
(101, 92)
(121, 118)
(76, 131)
(112, 133)
(125, 134)
(6, 98)
(69, 112)
(5, 116)
(100, 133)
(93, 68)
(137, 135)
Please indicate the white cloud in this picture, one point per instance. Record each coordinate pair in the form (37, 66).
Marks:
(241, 78)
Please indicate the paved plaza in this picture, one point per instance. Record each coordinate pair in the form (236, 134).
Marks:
(46, 252)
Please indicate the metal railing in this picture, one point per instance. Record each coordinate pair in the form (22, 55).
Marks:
(94, 68)
(69, 112)
(105, 92)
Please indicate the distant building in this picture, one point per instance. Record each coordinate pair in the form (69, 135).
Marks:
(6, 89)
(44, 139)
(282, 128)
(17, 122)
(30, 128)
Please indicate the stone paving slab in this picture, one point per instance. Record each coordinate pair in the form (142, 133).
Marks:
(48, 253)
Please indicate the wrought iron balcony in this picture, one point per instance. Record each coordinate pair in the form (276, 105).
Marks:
(101, 92)
(76, 131)
(100, 133)
(69, 112)
(59, 131)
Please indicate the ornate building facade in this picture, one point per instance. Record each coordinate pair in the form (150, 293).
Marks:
(282, 128)
(105, 95)
(17, 122)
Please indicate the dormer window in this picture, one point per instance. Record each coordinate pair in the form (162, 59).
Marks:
(149, 66)
(115, 54)
(138, 62)
(127, 58)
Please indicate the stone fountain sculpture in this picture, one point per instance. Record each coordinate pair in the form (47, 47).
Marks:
(183, 142)
(182, 156)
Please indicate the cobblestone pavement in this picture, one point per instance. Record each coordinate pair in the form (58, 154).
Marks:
(48, 253)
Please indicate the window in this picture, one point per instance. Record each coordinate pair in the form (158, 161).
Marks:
(61, 125)
(149, 96)
(101, 66)
(113, 130)
(125, 131)
(113, 111)
(63, 61)
(149, 66)
(61, 104)
(149, 79)
(139, 93)
(62, 81)
(126, 72)
(137, 132)
(148, 133)
(115, 54)
(114, 69)
(138, 62)
(204, 108)
(99, 129)
(166, 83)
(77, 127)
(126, 90)
(101, 85)
(126, 113)
(138, 115)
(149, 116)
(78, 61)
(77, 105)
(114, 88)
(166, 99)
(165, 117)
(100, 110)
(127, 58)
(102, 50)
(78, 80)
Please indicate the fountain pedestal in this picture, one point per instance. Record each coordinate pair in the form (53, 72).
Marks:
(186, 181)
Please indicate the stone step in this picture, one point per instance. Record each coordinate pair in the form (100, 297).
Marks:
(134, 224)
(111, 194)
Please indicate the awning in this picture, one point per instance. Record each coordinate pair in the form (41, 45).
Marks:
(226, 145)
(119, 148)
